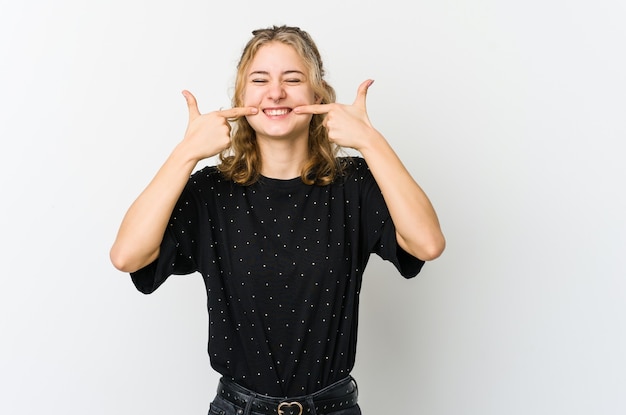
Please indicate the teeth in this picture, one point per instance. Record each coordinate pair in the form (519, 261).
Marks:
(276, 112)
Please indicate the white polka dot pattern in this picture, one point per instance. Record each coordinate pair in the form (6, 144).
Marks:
(282, 262)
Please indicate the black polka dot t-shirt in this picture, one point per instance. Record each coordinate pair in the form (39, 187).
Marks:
(282, 262)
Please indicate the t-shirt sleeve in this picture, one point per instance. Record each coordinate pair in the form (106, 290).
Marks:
(179, 247)
(388, 249)
(379, 230)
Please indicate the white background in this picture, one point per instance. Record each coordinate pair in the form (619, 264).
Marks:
(510, 114)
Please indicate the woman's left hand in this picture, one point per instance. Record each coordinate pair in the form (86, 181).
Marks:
(347, 125)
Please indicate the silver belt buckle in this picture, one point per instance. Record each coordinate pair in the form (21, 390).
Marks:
(287, 405)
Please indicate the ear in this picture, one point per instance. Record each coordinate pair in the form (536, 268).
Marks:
(318, 100)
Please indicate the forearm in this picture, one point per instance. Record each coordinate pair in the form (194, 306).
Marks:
(141, 232)
(417, 227)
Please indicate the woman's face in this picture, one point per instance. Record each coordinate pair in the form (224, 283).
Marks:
(276, 83)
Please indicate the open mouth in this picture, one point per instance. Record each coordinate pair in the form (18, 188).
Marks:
(276, 112)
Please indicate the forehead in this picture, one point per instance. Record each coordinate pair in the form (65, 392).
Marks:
(276, 56)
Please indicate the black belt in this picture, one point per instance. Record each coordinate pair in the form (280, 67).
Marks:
(340, 395)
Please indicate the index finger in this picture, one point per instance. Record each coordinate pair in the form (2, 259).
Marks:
(312, 109)
(238, 112)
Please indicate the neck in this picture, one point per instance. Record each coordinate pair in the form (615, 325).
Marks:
(282, 159)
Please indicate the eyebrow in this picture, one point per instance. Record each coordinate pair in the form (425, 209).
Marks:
(289, 72)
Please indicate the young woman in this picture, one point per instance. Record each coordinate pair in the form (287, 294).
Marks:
(281, 229)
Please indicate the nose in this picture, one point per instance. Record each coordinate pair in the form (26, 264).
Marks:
(276, 91)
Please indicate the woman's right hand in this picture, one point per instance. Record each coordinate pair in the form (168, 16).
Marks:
(209, 134)
(138, 240)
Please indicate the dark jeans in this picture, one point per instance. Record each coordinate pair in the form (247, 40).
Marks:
(221, 406)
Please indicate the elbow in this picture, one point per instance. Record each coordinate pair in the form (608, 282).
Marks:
(118, 259)
(131, 256)
(433, 250)
(426, 250)
(122, 261)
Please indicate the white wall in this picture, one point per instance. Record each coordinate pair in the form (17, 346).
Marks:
(509, 113)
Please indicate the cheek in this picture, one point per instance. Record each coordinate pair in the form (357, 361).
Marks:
(251, 99)
(316, 98)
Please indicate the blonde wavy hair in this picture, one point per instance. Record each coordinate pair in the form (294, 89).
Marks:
(241, 162)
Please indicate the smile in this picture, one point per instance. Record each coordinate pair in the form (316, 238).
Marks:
(276, 112)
